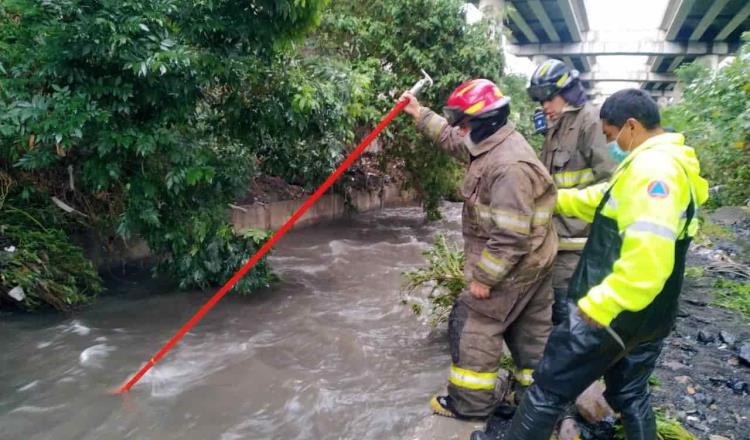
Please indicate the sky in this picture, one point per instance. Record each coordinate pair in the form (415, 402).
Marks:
(618, 19)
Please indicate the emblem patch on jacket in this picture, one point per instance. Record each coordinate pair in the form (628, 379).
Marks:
(658, 189)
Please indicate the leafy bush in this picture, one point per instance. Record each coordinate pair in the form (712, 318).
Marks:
(302, 123)
(120, 109)
(443, 274)
(714, 115)
(38, 263)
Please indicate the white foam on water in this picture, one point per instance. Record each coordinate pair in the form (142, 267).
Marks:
(30, 409)
(412, 241)
(93, 356)
(78, 328)
(341, 247)
(29, 386)
(194, 362)
(310, 269)
(285, 259)
(43, 345)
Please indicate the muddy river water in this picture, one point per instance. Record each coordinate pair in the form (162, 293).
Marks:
(327, 353)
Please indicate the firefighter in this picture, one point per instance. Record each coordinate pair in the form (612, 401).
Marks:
(509, 244)
(623, 296)
(575, 154)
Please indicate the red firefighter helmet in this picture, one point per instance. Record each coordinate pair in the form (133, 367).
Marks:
(474, 99)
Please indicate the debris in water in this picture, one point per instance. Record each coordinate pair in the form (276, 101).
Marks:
(17, 293)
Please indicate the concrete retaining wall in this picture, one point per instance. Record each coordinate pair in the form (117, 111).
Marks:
(328, 208)
(269, 216)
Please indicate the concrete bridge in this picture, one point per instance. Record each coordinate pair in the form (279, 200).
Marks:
(691, 30)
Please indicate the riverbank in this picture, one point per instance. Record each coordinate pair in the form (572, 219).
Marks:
(269, 203)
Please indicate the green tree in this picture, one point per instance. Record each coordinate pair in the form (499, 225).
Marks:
(714, 115)
(390, 41)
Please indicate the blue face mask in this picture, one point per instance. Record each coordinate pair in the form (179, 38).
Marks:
(615, 152)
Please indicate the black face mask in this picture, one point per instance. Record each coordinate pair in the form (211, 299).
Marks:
(540, 122)
(484, 127)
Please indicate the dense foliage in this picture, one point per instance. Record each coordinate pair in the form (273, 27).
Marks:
(120, 109)
(146, 118)
(714, 115)
(390, 42)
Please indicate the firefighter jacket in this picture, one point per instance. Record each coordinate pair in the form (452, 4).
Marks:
(509, 199)
(575, 154)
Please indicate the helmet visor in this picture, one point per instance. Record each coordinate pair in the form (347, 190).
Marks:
(542, 92)
(454, 115)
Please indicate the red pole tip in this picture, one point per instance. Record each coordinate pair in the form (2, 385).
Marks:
(116, 391)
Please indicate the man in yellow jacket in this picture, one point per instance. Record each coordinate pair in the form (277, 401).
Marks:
(624, 293)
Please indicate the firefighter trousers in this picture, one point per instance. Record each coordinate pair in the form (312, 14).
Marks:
(518, 315)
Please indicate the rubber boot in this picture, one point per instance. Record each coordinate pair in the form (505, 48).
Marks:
(537, 415)
(639, 421)
(497, 424)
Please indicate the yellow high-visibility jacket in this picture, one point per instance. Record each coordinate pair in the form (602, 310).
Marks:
(650, 193)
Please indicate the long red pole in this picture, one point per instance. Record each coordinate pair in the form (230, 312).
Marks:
(266, 247)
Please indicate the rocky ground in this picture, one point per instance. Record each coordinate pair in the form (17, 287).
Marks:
(704, 373)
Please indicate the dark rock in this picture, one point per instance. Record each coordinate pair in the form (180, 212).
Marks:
(674, 366)
(705, 337)
(727, 337)
(696, 302)
(688, 403)
(701, 320)
(738, 386)
(717, 381)
(744, 353)
(704, 399)
(702, 427)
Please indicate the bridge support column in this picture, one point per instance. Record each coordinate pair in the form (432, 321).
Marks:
(492, 8)
(711, 61)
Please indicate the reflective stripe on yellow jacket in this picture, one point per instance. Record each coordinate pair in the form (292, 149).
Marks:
(650, 193)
